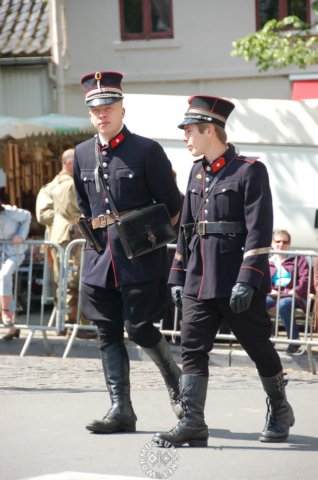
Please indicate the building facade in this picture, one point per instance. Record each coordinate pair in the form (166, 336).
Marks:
(170, 47)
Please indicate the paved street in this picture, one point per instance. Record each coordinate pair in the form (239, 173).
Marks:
(47, 401)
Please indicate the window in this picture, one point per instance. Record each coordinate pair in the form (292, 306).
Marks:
(278, 9)
(145, 19)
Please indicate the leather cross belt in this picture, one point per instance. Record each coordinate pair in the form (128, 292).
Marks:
(208, 228)
(104, 220)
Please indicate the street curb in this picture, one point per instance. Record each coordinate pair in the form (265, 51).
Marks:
(221, 356)
(229, 357)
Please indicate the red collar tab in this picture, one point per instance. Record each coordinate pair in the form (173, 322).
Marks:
(116, 141)
(218, 164)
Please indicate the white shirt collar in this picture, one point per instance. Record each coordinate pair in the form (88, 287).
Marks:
(103, 142)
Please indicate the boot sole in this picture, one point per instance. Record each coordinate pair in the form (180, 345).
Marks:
(121, 429)
(166, 444)
(276, 439)
(273, 439)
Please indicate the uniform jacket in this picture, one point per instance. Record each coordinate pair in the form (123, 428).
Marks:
(56, 207)
(14, 222)
(137, 171)
(218, 261)
(302, 276)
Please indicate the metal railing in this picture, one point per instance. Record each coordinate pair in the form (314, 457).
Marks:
(35, 270)
(55, 320)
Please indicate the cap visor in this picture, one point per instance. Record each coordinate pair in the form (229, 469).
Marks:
(96, 102)
(190, 121)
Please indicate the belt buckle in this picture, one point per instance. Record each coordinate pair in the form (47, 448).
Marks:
(102, 220)
(201, 228)
(231, 235)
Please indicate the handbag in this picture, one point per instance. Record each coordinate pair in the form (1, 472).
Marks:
(140, 231)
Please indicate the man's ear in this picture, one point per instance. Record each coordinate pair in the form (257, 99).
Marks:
(211, 130)
(123, 112)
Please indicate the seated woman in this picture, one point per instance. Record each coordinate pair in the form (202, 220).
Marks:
(14, 226)
(282, 270)
(315, 289)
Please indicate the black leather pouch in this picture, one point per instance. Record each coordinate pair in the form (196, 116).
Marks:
(145, 230)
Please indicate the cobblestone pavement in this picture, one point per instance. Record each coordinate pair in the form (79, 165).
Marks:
(21, 374)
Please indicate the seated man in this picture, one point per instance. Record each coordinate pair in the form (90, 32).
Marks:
(282, 271)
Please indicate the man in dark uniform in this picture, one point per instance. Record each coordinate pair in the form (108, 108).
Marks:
(118, 292)
(229, 226)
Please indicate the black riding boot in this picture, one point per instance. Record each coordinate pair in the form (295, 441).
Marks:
(121, 416)
(162, 357)
(280, 415)
(191, 429)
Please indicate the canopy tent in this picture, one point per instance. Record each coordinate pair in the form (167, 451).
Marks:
(18, 128)
(30, 152)
(62, 123)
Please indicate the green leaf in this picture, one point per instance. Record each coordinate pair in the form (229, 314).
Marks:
(278, 44)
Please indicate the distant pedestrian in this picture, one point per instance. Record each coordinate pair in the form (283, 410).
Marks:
(57, 209)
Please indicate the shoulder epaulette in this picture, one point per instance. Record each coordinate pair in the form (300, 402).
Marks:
(250, 160)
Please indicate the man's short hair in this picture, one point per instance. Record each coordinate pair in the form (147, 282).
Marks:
(220, 132)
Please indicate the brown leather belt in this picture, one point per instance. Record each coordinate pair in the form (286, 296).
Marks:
(105, 220)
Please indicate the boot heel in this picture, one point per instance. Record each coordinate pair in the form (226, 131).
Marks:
(198, 443)
(130, 428)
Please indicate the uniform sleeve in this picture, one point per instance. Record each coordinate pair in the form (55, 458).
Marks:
(82, 199)
(160, 179)
(258, 213)
(178, 271)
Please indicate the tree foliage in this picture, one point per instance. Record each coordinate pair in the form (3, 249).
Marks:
(280, 43)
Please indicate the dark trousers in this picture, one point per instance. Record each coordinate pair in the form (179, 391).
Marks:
(135, 307)
(252, 328)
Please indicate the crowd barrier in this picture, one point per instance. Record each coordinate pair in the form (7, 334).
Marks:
(33, 291)
(50, 315)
